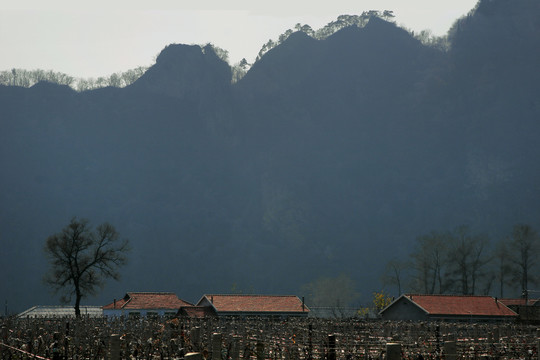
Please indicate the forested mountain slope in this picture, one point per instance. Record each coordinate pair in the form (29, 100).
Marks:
(329, 157)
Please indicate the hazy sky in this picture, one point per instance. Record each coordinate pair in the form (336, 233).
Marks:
(100, 37)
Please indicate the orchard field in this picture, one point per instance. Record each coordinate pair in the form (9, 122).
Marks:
(258, 338)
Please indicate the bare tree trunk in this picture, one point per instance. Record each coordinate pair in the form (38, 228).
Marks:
(78, 297)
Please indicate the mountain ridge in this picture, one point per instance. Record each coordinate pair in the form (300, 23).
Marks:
(329, 157)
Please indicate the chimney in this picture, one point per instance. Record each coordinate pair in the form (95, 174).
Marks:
(212, 299)
(114, 306)
(303, 304)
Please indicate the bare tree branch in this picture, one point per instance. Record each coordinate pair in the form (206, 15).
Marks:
(81, 259)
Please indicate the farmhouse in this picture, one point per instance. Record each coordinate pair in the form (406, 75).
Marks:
(419, 307)
(527, 309)
(138, 304)
(515, 303)
(255, 305)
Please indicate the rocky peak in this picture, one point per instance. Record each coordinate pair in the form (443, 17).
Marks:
(185, 71)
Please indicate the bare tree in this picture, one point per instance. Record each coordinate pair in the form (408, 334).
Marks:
(525, 248)
(82, 258)
(479, 260)
(428, 263)
(394, 273)
(333, 293)
(502, 265)
(466, 259)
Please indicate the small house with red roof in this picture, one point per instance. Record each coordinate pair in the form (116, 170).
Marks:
(419, 307)
(278, 306)
(141, 304)
(515, 303)
(527, 309)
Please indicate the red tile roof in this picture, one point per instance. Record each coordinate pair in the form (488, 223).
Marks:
(461, 305)
(520, 302)
(147, 300)
(256, 303)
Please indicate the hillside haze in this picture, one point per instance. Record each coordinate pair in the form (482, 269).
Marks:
(328, 157)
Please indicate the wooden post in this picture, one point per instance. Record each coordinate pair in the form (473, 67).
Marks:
(196, 338)
(114, 347)
(310, 343)
(235, 348)
(393, 351)
(127, 344)
(55, 351)
(332, 347)
(438, 337)
(216, 346)
(450, 350)
(260, 350)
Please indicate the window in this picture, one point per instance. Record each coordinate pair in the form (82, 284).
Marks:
(151, 314)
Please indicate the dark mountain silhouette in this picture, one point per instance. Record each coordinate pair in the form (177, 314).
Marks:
(328, 157)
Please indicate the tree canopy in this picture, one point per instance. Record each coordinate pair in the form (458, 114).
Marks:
(81, 258)
(460, 262)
